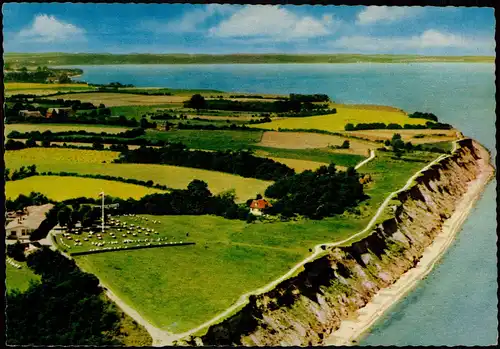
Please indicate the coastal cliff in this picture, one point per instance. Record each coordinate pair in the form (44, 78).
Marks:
(308, 308)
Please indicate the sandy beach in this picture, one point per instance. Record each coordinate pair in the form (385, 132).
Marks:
(351, 331)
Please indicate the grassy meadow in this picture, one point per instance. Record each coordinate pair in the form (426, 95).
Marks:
(40, 89)
(19, 278)
(231, 257)
(210, 140)
(63, 188)
(336, 122)
(92, 162)
(137, 111)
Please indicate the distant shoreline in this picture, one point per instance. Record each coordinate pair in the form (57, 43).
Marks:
(59, 59)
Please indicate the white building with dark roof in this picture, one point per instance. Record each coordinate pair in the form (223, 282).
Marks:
(23, 225)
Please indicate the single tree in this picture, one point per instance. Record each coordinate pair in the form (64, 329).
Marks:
(197, 102)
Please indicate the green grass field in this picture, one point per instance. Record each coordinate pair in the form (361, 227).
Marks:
(91, 162)
(168, 285)
(19, 278)
(62, 128)
(137, 111)
(210, 140)
(336, 122)
(12, 88)
(63, 188)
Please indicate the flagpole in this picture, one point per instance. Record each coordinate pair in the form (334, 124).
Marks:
(102, 212)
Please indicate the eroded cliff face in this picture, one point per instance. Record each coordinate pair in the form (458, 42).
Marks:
(306, 309)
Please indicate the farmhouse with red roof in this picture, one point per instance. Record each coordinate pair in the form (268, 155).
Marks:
(257, 206)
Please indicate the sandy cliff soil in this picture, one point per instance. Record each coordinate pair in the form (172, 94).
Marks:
(308, 308)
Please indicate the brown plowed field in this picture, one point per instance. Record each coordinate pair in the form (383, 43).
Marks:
(430, 136)
(121, 99)
(304, 140)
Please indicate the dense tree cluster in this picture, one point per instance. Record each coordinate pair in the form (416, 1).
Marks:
(309, 98)
(240, 162)
(33, 199)
(100, 115)
(322, 193)
(16, 251)
(23, 172)
(53, 136)
(65, 308)
(198, 102)
(420, 115)
(40, 75)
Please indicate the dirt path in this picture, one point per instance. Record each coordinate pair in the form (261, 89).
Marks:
(372, 156)
(160, 337)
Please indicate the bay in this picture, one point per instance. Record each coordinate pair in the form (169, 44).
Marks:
(457, 303)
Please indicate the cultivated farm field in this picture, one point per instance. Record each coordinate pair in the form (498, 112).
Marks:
(303, 140)
(336, 122)
(63, 188)
(55, 159)
(42, 89)
(92, 162)
(210, 140)
(111, 99)
(62, 128)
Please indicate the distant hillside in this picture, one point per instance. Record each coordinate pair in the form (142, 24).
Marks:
(30, 59)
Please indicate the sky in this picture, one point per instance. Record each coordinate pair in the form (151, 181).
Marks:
(217, 28)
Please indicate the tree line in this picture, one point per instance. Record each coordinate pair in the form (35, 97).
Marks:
(66, 307)
(421, 115)
(96, 115)
(392, 126)
(241, 162)
(23, 172)
(324, 192)
(40, 75)
(198, 102)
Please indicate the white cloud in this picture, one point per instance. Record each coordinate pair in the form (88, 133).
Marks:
(46, 28)
(191, 21)
(427, 40)
(385, 14)
(273, 23)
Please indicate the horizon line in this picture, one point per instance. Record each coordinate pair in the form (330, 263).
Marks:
(248, 54)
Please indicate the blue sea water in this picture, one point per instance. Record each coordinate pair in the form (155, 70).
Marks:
(457, 303)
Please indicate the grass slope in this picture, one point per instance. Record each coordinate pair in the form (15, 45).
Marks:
(19, 278)
(63, 188)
